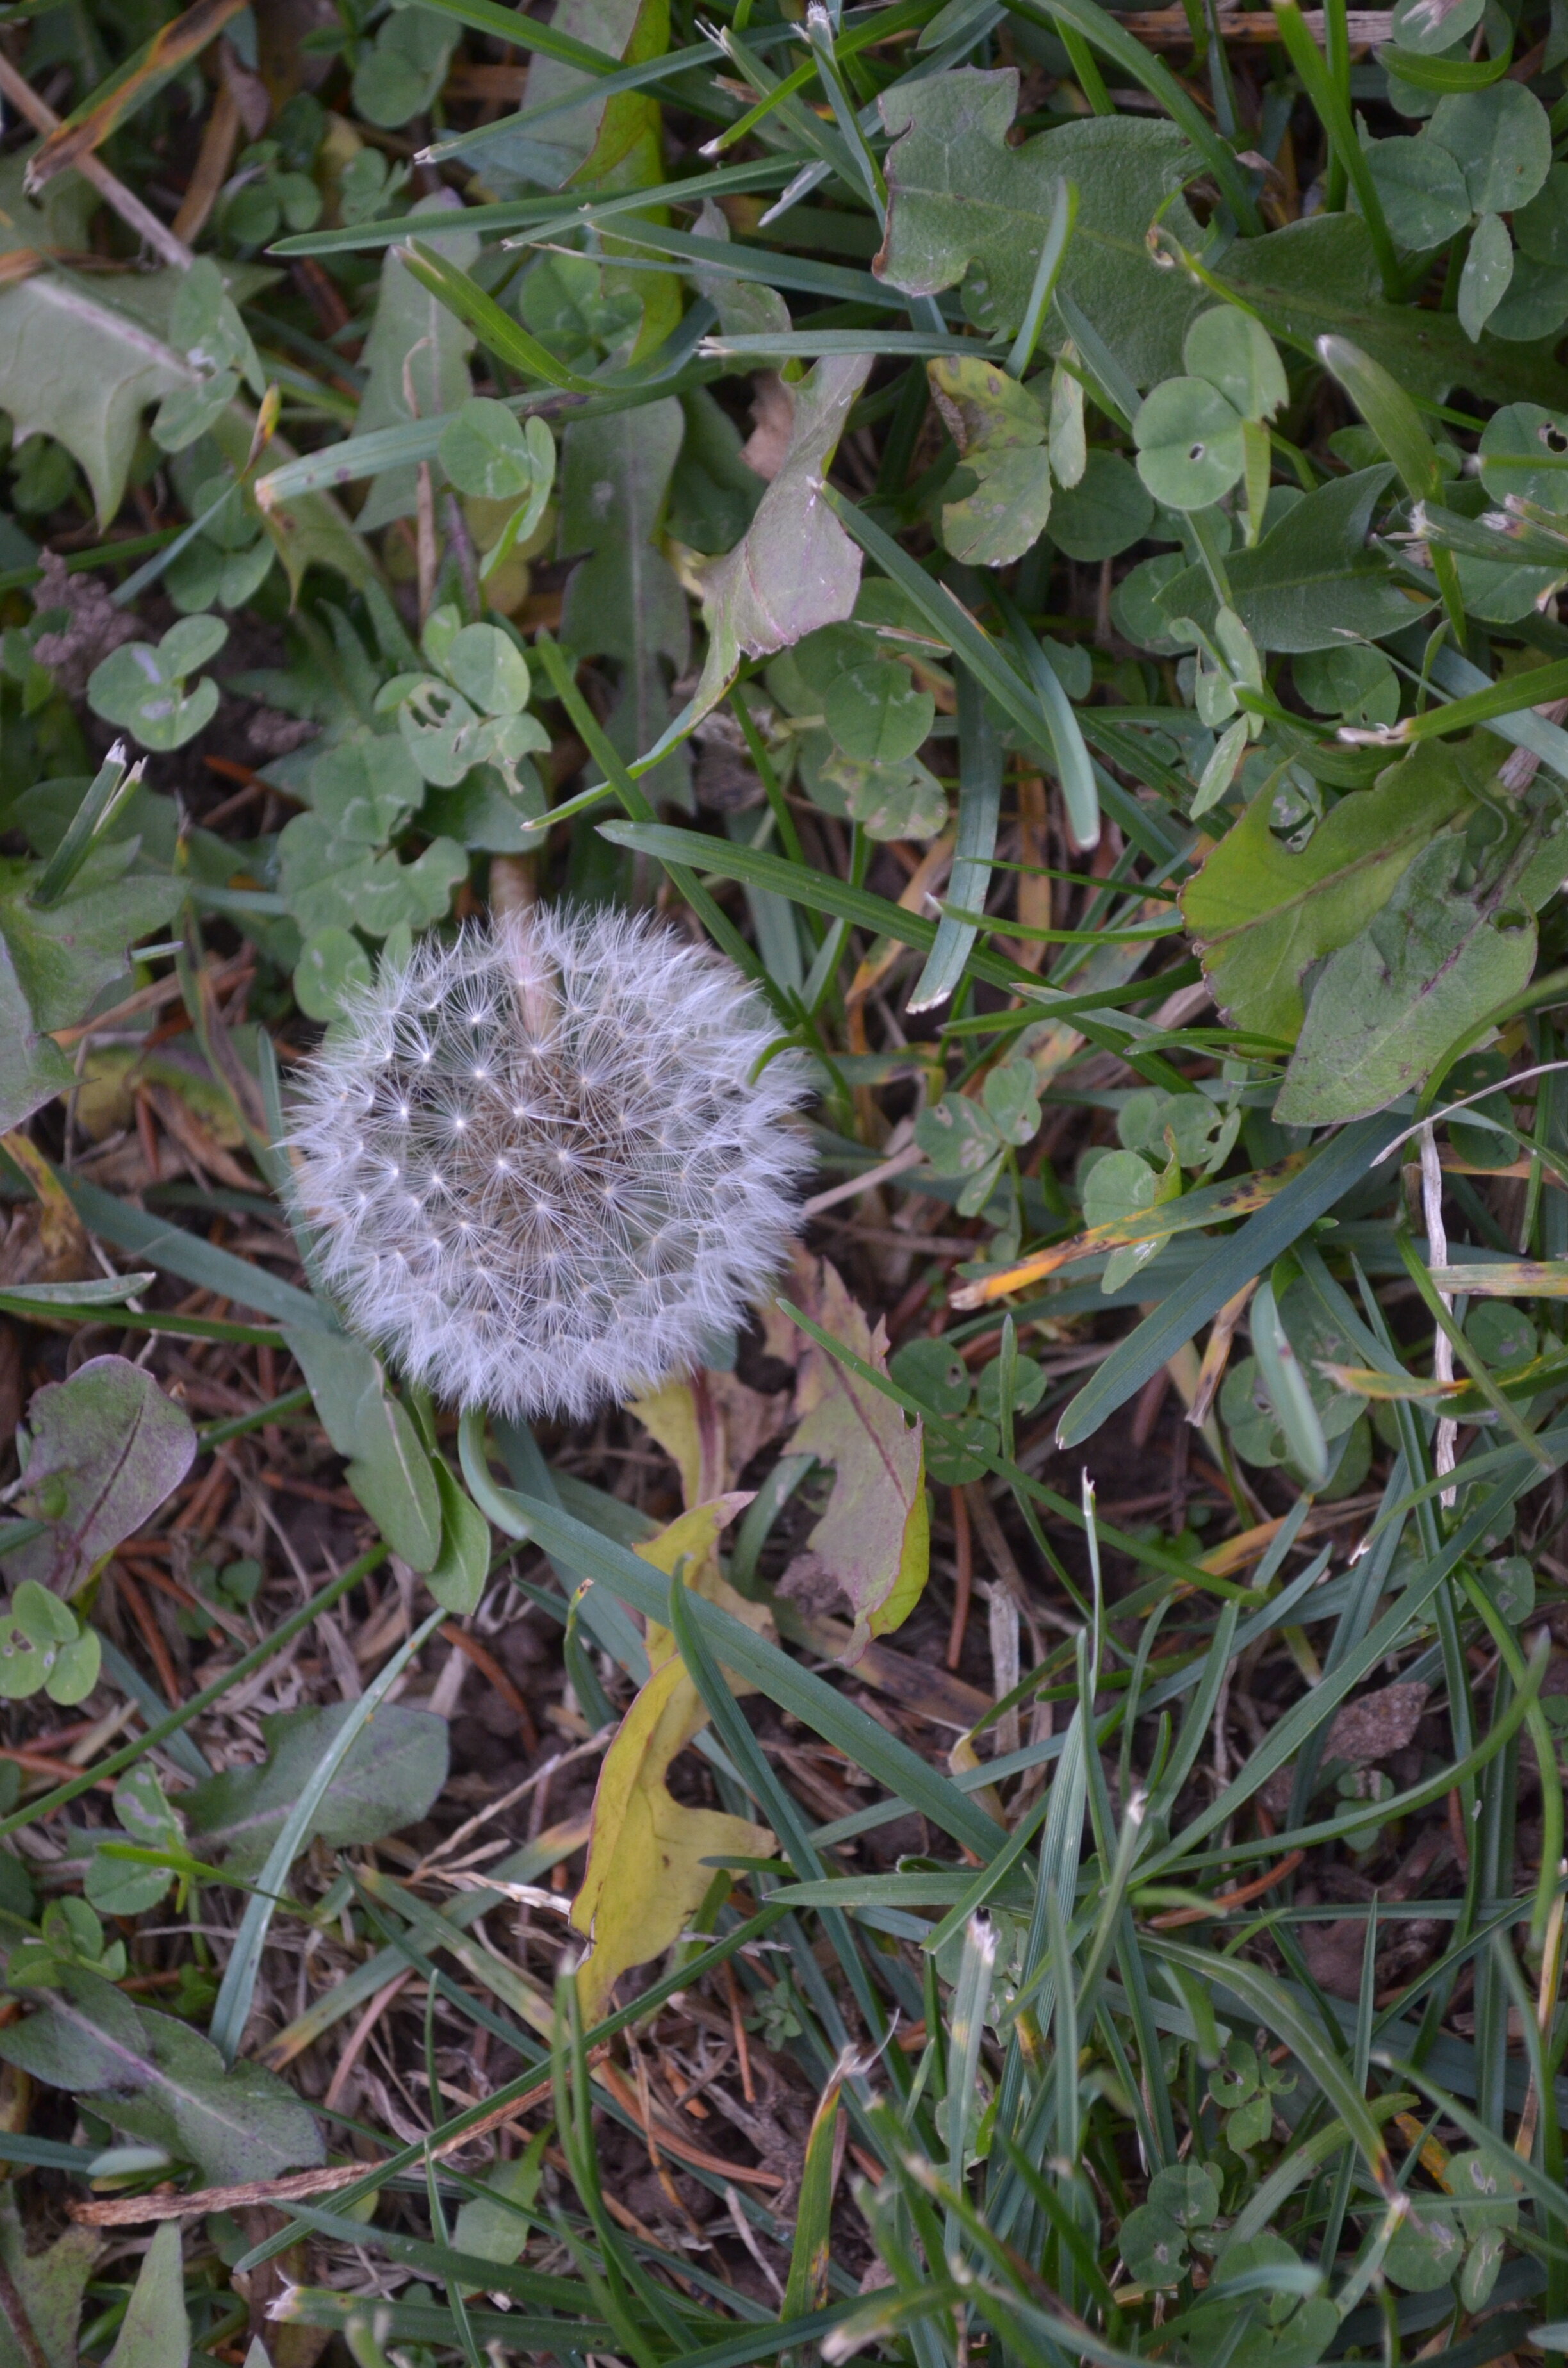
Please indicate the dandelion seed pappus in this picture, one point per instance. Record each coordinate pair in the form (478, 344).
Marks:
(546, 1160)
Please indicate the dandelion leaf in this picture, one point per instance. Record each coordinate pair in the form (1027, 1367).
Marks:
(1260, 915)
(966, 210)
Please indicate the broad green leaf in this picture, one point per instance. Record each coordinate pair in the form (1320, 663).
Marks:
(121, 1886)
(1429, 26)
(44, 1649)
(794, 569)
(1122, 1185)
(965, 208)
(1540, 229)
(1152, 2247)
(1426, 2248)
(75, 362)
(1311, 581)
(457, 1578)
(1353, 681)
(108, 1447)
(393, 1770)
(333, 883)
(32, 1067)
(1318, 277)
(489, 669)
(51, 2284)
(365, 786)
(1388, 1004)
(154, 2077)
(903, 800)
(389, 1470)
(985, 409)
(623, 601)
(155, 2330)
(1259, 916)
(412, 332)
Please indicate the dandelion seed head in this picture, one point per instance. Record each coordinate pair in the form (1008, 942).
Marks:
(575, 1177)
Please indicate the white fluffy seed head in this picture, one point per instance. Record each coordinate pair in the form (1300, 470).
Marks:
(541, 1166)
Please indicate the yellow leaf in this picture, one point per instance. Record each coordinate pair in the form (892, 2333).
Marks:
(693, 1540)
(645, 1878)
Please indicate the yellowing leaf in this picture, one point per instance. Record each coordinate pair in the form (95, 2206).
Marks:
(874, 1540)
(693, 1540)
(646, 1876)
(711, 1425)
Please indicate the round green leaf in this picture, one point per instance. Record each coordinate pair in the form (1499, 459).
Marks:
(1353, 681)
(1426, 2248)
(1189, 2192)
(1235, 354)
(1524, 450)
(904, 800)
(332, 964)
(1029, 1387)
(933, 1371)
(1134, 604)
(141, 689)
(485, 452)
(1488, 269)
(1427, 27)
(1152, 2247)
(42, 1616)
(1190, 448)
(190, 644)
(1536, 304)
(1501, 140)
(489, 669)
(877, 713)
(365, 787)
(1011, 1096)
(963, 1452)
(1540, 229)
(1501, 1334)
(1424, 199)
(1106, 512)
(1006, 509)
(75, 1670)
